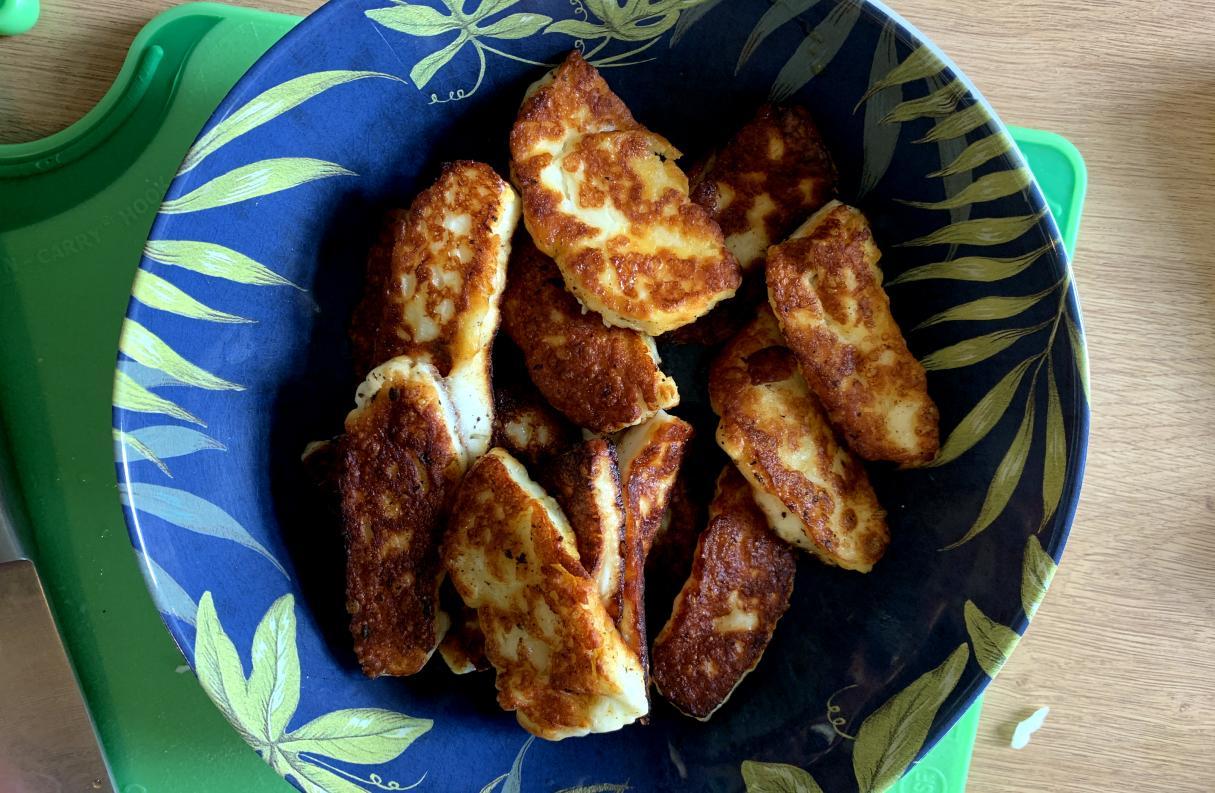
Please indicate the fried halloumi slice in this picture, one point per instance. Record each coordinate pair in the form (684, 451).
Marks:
(585, 482)
(561, 664)
(669, 562)
(402, 459)
(525, 424)
(602, 195)
(463, 646)
(599, 377)
(724, 616)
(438, 298)
(826, 289)
(773, 174)
(816, 495)
(650, 456)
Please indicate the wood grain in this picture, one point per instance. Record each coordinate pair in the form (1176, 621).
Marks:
(1123, 649)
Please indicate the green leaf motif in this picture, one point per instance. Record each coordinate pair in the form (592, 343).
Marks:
(880, 140)
(155, 292)
(986, 188)
(516, 26)
(988, 308)
(165, 441)
(271, 104)
(169, 596)
(777, 778)
(133, 449)
(921, 63)
(1006, 477)
(959, 123)
(145, 347)
(940, 102)
(428, 67)
(891, 737)
(274, 685)
(973, 268)
(213, 260)
(690, 17)
(192, 513)
(975, 426)
(130, 395)
(980, 231)
(1080, 354)
(254, 180)
(220, 673)
(358, 735)
(414, 19)
(993, 642)
(1037, 570)
(817, 50)
(775, 17)
(977, 349)
(978, 153)
(636, 20)
(314, 779)
(1054, 465)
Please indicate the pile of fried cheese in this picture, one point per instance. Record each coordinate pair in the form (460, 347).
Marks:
(500, 497)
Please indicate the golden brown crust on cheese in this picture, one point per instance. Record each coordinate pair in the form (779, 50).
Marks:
(525, 424)
(725, 614)
(815, 493)
(365, 322)
(444, 275)
(572, 480)
(670, 559)
(826, 290)
(602, 195)
(510, 553)
(601, 378)
(463, 646)
(400, 464)
(773, 174)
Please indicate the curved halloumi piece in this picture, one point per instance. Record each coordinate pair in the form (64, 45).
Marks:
(438, 299)
(525, 424)
(599, 377)
(401, 461)
(724, 616)
(603, 196)
(815, 493)
(511, 554)
(585, 482)
(826, 289)
(773, 174)
(650, 456)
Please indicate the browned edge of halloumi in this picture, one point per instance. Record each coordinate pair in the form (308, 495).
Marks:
(463, 646)
(510, 553)
(601, 378)
(602, 195)
(825, 288)
(815, 493)
(766, 180)
(401, 460)
(723, 618)
(650, 456)
(585, 482)
(525, 424)
(368, 314)
(669, 562)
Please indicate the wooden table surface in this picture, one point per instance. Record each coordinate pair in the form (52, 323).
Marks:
(1123, 649)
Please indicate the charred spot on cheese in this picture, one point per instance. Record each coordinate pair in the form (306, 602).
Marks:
(600, 377)
(815, 494)
(725, 614)
(603, 196)
(511, 554)
(400, 462)
(826, 290)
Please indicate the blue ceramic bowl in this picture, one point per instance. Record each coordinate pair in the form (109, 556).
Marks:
(234, 356)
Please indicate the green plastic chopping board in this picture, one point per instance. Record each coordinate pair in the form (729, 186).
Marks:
(75, 209)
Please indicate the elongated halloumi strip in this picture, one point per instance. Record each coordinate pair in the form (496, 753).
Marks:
(826, 290)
